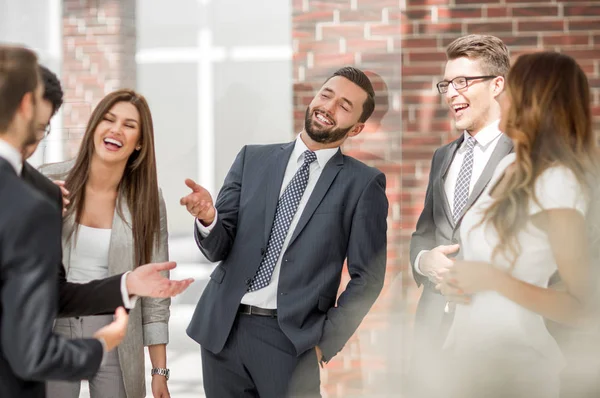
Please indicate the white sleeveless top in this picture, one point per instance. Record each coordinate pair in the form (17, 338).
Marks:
(492, 325)
(89, 256)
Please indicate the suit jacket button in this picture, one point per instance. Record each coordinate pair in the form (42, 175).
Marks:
(248, 281)
(262, 252)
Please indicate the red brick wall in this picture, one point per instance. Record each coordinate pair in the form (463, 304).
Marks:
(328, 35)
(404, 41)
(99, 48)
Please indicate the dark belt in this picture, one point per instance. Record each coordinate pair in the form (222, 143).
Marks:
(251, 310)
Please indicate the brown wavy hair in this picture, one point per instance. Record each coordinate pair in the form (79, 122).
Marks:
(550, 124)
(139, 184)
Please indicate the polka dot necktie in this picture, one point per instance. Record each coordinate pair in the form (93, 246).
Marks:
(286, 208)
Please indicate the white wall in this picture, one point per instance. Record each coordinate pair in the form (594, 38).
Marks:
(217, 75)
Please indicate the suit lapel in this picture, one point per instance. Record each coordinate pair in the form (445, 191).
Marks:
(121, 249)
(274, 179)
(447, 161)
(6, 166)
(68, 226)
(503, 148)
(329, 173)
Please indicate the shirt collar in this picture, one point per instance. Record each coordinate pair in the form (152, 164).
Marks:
(488, 134)
(12, 155)
(323, 155)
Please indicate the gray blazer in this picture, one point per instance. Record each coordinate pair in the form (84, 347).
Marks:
(148, 321)
(436, 225)
(344, 218)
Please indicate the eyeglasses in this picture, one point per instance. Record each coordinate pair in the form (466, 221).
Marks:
(459, 82)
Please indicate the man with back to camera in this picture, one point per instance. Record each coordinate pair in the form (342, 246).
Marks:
(29, 250)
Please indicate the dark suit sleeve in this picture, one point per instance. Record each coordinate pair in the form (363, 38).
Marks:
(217, 244)
(29, 299)
(367, 248)
(98, 297)
(424, 236)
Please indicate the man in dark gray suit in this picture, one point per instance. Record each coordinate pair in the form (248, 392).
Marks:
(286, 219)
(473, 81)
(29, 251)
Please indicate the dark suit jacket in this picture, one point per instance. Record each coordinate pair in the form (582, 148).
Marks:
(29, 251)
(436, 227)
(97, 297)
(345, 218)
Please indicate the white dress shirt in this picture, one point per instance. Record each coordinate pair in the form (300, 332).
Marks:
(12, 156)
(486, 141)
(267, 297)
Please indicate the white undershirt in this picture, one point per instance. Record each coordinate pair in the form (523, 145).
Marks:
(89, 255)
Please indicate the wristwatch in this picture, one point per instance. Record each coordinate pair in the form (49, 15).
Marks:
(161, 372)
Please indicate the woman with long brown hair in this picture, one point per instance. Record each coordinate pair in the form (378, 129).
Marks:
(116, 221)
(528, 224)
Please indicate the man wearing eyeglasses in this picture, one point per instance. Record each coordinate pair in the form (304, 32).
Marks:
(473, 81)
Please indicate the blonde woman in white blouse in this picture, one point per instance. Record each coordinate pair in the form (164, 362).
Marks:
(528, 224)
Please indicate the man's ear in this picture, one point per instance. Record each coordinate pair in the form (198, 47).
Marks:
(498, 86)
(356, 130)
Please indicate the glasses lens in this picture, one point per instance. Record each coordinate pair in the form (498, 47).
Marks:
(442, 87)
(459, 82)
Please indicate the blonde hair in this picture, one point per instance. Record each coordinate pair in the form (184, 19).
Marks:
(492, 52)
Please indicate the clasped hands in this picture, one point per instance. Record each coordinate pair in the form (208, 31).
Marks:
(457, 280)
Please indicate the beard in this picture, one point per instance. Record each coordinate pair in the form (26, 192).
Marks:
(320, 135)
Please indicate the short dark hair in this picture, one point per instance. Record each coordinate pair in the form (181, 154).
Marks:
(18, 76)
(359, 78)
(52, 88)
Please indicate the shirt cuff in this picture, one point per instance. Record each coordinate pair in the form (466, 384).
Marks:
(417, 262)
(205, 231)
(128, 302)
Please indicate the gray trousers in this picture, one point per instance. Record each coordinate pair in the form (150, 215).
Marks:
(108, 382)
